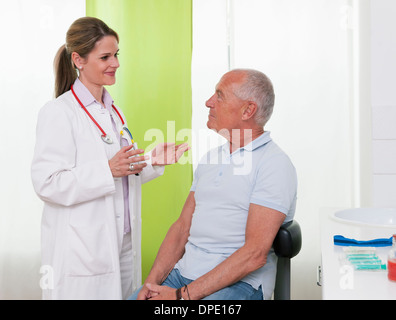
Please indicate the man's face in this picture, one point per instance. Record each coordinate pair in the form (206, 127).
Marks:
(225, 109)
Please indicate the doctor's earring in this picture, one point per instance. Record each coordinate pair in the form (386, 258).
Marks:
(77, 67)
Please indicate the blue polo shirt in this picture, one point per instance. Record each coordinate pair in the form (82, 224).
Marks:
(225, 185)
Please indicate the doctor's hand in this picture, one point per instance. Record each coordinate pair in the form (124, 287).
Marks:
(168, 153)
(126, 162)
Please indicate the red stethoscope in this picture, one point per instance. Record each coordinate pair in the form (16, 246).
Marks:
(104, 136)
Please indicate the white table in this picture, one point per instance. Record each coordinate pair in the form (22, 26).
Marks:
(340, 281)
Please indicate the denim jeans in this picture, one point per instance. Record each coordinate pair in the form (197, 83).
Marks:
(238, 291)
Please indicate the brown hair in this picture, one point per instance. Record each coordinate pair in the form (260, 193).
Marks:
(81, 37)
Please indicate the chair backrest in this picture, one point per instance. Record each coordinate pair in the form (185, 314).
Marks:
(288, 241)
(287, 244)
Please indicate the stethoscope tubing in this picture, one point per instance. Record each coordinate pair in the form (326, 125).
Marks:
(104, 136)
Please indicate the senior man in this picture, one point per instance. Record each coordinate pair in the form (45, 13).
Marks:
(220, 248)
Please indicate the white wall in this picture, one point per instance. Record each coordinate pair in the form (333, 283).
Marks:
(209, 63)
(383, 101)
(32, 31)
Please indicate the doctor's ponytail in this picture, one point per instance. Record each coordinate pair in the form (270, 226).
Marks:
(81, 37)
(65, 73)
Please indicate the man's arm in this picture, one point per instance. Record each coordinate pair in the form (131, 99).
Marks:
(262, 226)
(172, 248)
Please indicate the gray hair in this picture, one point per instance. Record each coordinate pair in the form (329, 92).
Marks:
(258, 88)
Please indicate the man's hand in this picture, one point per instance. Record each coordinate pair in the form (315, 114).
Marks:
(161, 292)
(146, 293)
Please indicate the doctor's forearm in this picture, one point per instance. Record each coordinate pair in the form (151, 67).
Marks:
(72, 186)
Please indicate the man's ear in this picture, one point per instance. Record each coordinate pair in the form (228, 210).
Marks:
(249, 110)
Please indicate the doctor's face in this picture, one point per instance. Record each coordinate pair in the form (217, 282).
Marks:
(100, 66)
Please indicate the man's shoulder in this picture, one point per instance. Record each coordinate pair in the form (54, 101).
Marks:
(272, 154)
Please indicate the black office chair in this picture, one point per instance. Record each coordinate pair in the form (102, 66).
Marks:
(287, 244)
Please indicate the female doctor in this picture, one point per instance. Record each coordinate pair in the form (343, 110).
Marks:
(88, 171)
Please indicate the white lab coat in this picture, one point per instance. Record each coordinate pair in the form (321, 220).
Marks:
(83, 216)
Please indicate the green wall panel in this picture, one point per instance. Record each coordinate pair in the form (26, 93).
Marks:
(154, 90)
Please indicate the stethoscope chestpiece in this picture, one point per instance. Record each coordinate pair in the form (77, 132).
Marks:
(107, 139)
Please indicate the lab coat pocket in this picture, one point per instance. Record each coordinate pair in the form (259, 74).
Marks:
(89, 251)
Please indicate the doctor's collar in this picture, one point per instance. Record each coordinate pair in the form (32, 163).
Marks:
(87, 98)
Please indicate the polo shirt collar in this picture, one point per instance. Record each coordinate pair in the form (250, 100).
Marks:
(256, 143)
